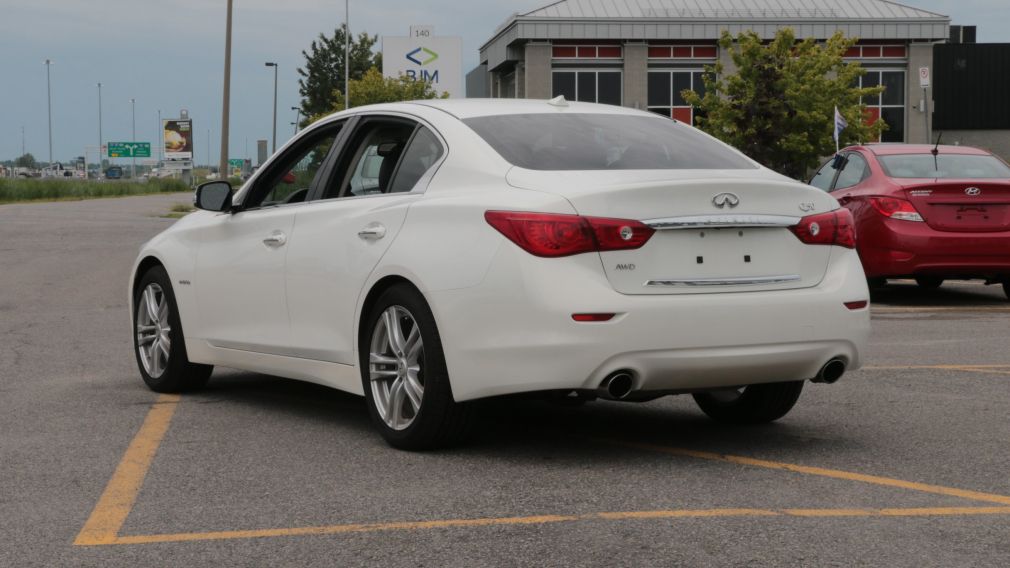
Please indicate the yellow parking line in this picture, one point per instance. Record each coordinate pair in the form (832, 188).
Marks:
(121, 492)
(549, 519)
(823, 472)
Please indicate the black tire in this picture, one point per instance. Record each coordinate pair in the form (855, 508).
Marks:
(440, 421)
(755, 404)
(179, 374)
(1006, 289)
(928, 282)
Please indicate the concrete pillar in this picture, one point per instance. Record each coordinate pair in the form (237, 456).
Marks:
(537, 71)
(520, 81)
(636, 75)
(728, 67)
(916, 131)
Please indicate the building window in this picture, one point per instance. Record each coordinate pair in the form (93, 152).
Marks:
(586, 52)
(589, 86)
(889, 105)
(876, 52)
(682, 51)
(666, 92)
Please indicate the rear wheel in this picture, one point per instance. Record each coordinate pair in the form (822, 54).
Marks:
(928, 282)
(158, 341)
(404, 375)
(752, 404)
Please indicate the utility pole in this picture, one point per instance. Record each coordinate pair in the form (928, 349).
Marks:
(22, 140)
(99, 126)
(133, 153)
(223, 159)
(347, 54)
(298, 115)
(49, 98)
(273, 149)
(159, 139)
(208, 151)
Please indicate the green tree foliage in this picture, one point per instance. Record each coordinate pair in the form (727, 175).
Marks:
(323, 73)
(26, 161)
(778, 106)
(373, 88)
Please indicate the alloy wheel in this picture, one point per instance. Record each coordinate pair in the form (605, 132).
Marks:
(154, 342)
(395, 362)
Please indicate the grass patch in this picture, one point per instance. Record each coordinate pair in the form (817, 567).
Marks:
(178, 211)
(15, 190)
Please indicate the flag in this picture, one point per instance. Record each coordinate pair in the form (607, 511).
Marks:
(840, 125)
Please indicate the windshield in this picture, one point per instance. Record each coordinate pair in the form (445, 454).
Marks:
(603, 142)
(947, 166)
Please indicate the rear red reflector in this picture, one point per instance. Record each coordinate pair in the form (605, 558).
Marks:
(831, 228)
(554, 235)
(857, 305)
(592, 317)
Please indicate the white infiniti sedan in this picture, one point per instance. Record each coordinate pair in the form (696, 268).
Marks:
(431, 253)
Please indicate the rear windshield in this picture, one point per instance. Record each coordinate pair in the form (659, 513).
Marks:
(603, 142)
(946, 166)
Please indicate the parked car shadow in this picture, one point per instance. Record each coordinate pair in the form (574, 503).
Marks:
(953, 293)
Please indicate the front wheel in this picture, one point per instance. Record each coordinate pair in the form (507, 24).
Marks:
(404, 375)
(752, 404)
(158, 341)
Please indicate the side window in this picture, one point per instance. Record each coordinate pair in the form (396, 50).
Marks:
(855, 171)
(422, 153)
(370, 159)
(289, 179)
(824, 176)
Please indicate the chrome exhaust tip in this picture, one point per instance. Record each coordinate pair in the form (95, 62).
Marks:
(617, 385)
(830, 372)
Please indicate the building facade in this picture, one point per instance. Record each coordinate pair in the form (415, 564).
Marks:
(644, 53)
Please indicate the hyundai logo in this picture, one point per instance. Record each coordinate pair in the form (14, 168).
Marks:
(973, 191)
(724, 199)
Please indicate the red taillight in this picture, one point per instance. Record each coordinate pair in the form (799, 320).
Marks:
(895, 208)
(553, 235)
(831, 228)
(857, 305)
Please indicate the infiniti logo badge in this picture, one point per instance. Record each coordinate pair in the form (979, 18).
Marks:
(973, 191)
(724, 199)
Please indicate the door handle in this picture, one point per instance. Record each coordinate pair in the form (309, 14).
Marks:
(844, 200)
(375, 231)
(276, 239)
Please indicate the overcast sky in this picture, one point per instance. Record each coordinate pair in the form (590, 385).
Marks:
(168, 55)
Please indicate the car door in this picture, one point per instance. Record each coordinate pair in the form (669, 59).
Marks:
(383, 168)
(852, 174)
(241, 257)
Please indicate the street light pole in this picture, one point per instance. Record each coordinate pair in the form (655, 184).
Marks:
(223, 159)
(99, 126)
(347, 54)
(22, 140)
(49, 99)
(133, 153)
(298, 114)
(274, 144)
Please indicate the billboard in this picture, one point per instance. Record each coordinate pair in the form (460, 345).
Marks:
(422, 56)
(177, 134)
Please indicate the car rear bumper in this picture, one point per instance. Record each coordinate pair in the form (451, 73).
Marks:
(514, 332)
(894, 248)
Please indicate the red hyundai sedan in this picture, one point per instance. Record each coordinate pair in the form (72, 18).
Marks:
(924, 212)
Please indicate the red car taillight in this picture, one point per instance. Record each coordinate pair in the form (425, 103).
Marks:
(831, 228)
(895, 208)
(553, 235)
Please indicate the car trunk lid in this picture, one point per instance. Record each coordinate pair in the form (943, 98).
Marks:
(699, 246)
(967, 206)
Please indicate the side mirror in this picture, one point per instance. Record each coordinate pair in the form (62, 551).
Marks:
(839, 162)
(213, 196)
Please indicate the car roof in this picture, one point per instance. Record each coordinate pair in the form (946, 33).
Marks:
(469, 108)
(896, 149)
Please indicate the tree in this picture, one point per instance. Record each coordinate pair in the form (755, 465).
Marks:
(779, 105)
(323, 73)
(26, 161)
(373, 88)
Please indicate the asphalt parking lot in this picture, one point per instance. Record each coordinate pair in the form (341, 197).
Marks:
(904, 463)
